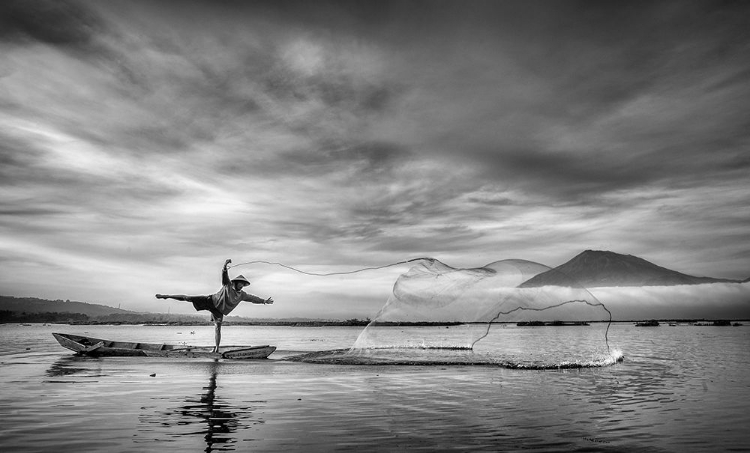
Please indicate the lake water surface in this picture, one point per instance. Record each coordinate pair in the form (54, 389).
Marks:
(681, 388)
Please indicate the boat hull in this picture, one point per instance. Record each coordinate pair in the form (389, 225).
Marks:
(98, 347)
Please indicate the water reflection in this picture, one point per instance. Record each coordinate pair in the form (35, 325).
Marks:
(219, 419)
(206, 415)
(75, 365)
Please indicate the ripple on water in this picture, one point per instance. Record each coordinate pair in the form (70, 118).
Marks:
(680, 389)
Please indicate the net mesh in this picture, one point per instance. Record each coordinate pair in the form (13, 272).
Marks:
(434, 293)
(440, 314)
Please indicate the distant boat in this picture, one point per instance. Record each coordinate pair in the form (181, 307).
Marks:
(97, 347)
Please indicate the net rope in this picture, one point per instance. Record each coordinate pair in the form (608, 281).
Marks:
(329, 274)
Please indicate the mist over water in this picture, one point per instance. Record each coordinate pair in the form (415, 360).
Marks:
(707, 301)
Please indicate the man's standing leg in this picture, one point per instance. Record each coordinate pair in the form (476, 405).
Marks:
(217, 331)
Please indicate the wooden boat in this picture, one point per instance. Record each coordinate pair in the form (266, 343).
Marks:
(97, 347)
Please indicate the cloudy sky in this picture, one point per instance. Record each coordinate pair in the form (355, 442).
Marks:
(142, 143)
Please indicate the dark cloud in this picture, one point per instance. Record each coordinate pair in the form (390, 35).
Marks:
(33, 211)
(372, 160)
(492, 201)
(365, 161)
(357, 131)
(56, 22)
(16, 156)
(561, 175)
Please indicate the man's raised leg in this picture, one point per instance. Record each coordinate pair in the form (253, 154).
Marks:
(181, 297)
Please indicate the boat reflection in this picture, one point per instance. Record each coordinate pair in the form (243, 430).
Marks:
(75, 365)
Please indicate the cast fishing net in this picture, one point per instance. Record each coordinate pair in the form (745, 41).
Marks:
(488, 315)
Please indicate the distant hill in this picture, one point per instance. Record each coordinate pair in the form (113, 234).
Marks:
(31, 309)
(593, 269)
(34, 305)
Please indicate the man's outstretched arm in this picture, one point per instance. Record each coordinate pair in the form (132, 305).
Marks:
(257, 300)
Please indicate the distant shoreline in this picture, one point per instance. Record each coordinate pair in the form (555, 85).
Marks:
(28, 320)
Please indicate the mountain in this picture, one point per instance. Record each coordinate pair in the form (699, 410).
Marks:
(34, 305)
(594, 268)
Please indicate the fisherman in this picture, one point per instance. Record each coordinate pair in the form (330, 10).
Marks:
(223, 302)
